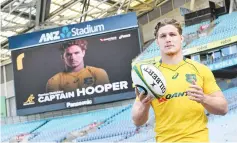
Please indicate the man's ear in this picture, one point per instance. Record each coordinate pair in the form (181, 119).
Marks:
(182, 39)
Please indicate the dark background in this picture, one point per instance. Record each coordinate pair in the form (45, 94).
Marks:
(42, 62)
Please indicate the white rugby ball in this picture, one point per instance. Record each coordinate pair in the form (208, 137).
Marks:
(150, 79)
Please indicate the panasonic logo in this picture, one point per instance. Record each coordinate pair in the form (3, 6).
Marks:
(81, 103)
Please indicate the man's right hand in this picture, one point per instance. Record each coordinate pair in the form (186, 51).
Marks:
(144, 99)
(140, 110)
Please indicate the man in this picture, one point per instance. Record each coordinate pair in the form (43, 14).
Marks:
(76, 74)
(191, 88)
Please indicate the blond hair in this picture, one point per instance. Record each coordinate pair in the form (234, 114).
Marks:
(167, 21)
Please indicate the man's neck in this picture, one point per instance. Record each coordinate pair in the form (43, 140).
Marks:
(76, 69)
(172, 59)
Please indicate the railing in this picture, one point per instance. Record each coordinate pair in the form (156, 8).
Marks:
(22, 8)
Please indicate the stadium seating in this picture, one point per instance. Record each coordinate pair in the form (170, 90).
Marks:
(11, 130)
(57, 129)
(231, 96)
(120, 121)
(151, 51)
(225, 26)
(117, 126)
(194, 28)
(224, 128)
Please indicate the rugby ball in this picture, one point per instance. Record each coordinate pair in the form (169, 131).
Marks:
(149, 78)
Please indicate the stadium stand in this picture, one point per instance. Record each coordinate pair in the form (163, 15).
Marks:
(67, 124)
(114, 125)
(11, 130)
(220, 31)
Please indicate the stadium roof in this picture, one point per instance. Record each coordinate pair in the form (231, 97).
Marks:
(22, 16)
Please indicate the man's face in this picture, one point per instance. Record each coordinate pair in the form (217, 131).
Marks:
(73, 56)
(169, 40)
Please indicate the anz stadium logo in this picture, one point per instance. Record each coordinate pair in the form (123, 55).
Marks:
(66, 32)
(56, 35)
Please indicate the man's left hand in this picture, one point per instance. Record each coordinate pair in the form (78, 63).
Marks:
(195, 93)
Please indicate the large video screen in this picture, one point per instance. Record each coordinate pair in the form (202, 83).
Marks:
(76, 72)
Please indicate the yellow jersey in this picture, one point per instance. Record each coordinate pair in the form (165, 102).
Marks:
(69, 81)
(179, 119)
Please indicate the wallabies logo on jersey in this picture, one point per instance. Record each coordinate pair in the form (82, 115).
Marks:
(190, 78)
(88, 81)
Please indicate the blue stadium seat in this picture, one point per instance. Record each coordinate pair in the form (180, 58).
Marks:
(11, 130)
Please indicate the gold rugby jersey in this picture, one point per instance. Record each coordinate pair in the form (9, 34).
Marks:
(69, 81)
(179, 119)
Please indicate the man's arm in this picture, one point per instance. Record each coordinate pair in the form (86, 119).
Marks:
(140, 109)
(214, 103)
(210, 95)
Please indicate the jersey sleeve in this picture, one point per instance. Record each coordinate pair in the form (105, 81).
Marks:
(209, 85)
(53, 84)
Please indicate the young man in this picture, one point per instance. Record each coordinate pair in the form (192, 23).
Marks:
(191, 88)
(76, 74)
